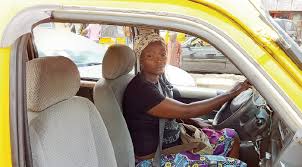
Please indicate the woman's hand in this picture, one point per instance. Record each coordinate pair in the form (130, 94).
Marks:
(238, 88)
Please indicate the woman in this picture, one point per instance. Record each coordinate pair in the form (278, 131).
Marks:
(145, 102)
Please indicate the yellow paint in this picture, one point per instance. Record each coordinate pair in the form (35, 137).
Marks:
(241, 24)
(5, 150)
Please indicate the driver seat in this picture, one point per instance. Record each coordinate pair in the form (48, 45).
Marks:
(118, 61)
(65, 130)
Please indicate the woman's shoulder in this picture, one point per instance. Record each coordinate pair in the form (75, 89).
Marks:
(135, 86)
(139, 82)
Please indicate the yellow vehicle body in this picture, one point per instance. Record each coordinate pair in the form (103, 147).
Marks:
(241, 24)
(5, 153)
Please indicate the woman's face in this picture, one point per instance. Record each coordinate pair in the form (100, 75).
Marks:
(153, 59)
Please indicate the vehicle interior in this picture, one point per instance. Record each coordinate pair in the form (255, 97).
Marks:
(74, 98)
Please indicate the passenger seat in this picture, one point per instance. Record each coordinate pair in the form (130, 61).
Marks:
(65, 130)
(108, 93)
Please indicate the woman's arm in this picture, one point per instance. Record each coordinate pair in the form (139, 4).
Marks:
(170, 108)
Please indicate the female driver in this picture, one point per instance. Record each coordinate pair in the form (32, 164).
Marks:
(146, 100)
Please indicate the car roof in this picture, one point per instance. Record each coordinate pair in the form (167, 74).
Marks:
(11, 9)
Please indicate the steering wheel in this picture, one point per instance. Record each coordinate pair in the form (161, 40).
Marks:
(232, 111)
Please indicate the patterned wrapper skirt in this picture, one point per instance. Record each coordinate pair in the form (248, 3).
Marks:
(222, 142)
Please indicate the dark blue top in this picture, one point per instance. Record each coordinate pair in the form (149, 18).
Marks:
(139, 97)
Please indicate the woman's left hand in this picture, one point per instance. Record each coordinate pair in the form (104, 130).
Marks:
(238, 88)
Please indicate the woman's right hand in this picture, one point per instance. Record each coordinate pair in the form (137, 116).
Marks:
(238, 88)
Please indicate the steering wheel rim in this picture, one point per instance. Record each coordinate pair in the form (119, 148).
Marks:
(219, 113)
(218, 123)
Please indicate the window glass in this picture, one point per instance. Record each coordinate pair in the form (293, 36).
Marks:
(194, 62)
(289, 26)
(84, 44)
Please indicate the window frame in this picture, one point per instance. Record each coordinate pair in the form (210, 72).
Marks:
(19, 129)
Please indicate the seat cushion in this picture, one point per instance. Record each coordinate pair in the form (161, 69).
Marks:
(108, 93)
(108, 98)
(70, 133)
(117, 86)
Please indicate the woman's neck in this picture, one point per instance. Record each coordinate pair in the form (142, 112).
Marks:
(150, 77)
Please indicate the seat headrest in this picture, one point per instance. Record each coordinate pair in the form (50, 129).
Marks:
(118, 60)
(50, 80)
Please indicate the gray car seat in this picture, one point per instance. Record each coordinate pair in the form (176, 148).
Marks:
(65, 130)
(108, 93)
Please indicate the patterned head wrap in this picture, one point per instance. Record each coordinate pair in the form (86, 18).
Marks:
(143, 40)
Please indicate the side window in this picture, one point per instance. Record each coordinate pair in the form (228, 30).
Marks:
(289, 26)
(194, 62)
(84, 44)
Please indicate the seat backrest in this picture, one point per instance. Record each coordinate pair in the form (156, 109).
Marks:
(108, 93)
(65, 130)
